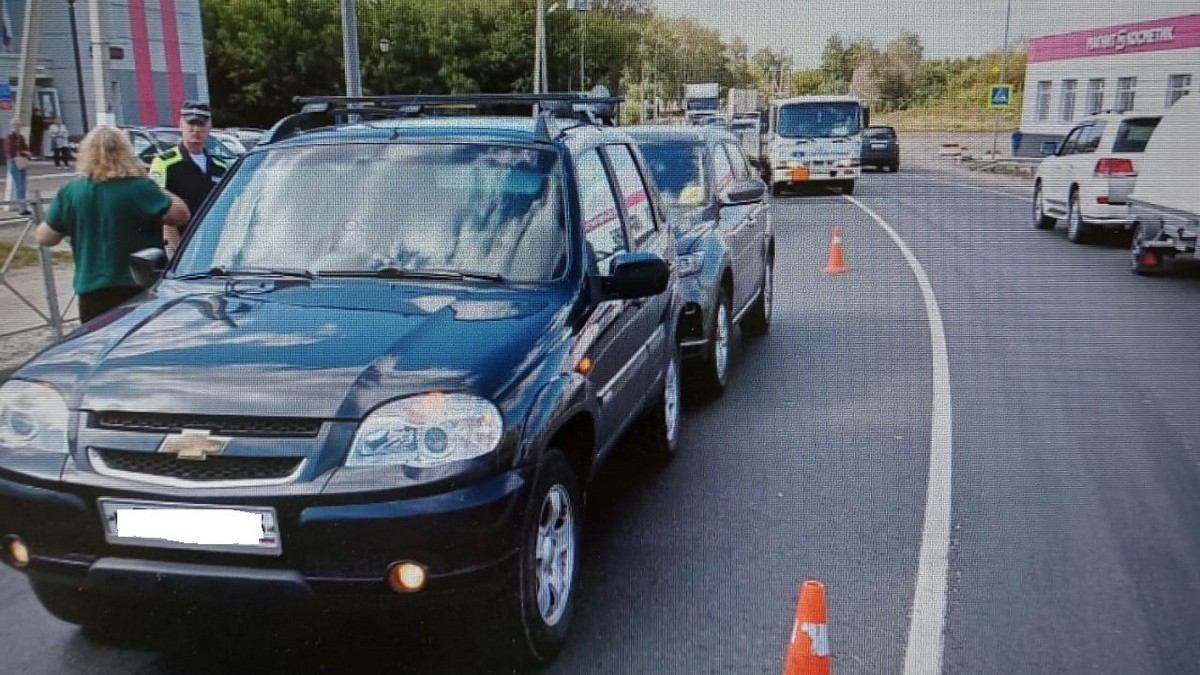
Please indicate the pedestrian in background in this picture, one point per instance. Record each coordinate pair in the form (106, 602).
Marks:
(60, 143)
(111, 210)
(16, 152)
(37, 132)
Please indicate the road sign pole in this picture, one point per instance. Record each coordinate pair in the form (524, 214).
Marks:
(1003, 76)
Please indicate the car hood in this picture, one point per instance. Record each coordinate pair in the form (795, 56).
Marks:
(326, 350)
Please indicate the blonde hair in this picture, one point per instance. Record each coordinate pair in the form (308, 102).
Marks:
(106, 154)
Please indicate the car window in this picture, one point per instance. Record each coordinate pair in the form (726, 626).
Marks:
(1089, 138)
(639, 212)
(722, 171)
(142, 147)
(741, 169)
(879, 133)
(678, 170)
(1068, 144)
(361, 208)
(1133, 134)
(601, 216)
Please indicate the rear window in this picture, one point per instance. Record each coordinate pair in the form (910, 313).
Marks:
(879, 132)
(1133, 135)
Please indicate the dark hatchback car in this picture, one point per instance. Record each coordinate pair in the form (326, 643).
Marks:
(380, 372)
(724, 238)
(881, 148)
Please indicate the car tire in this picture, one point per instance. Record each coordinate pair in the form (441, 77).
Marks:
(1077, 230)
(657, 432)
(1040, 220)
(757, 321)
(529, 623)
(713, 370)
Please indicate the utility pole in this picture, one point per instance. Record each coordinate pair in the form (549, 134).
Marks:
(27, 73)
(97, 17)
(350, 49)
(78, 68)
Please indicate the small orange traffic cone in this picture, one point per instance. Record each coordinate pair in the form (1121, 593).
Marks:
(808, 653)
(837, 263)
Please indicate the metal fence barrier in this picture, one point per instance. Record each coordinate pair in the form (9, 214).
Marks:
(48, 310)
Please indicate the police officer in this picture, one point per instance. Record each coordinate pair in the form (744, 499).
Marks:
(188, 170)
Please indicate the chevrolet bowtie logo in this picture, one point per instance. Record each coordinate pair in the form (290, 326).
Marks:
(193, 444)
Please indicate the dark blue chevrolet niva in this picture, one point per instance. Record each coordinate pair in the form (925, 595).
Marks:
(381, 370)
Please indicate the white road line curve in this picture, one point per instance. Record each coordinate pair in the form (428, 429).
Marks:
(923, 654)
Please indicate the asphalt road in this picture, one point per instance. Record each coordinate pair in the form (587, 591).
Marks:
(1076, 470)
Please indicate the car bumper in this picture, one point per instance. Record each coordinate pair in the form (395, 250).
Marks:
(335, 552)
(783, 175)
(873, 158)
(1106, 216)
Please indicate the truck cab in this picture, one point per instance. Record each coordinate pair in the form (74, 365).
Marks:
(815, 139)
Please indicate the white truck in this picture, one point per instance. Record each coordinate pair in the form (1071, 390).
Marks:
(1165, 204)
(701, 101)
(815, 139)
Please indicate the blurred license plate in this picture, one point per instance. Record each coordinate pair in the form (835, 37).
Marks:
(879, 146)
(800, 174)
(235, 529)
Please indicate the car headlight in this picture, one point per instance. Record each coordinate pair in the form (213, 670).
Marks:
(847, 163)
(33, 417)
(426, 431)
(689, 264)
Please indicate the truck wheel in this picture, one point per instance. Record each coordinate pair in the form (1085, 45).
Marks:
(528, 624)
(848, 187)
(1040, 220)
(776, 189)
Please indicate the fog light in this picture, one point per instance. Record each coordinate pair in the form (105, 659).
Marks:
(407, 577)
(18, 553)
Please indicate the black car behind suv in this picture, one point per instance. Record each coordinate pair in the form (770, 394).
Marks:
(381, 371)
(881, 148)
(724, 239)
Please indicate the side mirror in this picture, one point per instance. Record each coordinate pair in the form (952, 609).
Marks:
(147, 266)
(637, 275)
(744, 192)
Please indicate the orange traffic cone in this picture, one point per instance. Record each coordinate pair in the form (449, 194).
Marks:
(837, 263)
(808, 653)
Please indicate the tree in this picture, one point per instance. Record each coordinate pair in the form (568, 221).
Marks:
(807, 82)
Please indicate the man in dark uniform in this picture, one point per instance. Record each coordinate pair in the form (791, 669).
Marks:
(188, 170)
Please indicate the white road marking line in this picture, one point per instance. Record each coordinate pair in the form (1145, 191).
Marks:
(923, 655)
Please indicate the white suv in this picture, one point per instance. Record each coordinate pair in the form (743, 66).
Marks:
(1089, 179)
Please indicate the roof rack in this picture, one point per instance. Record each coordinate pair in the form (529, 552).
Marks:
(596, 109)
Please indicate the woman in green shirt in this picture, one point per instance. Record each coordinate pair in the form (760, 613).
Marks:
(109, 211)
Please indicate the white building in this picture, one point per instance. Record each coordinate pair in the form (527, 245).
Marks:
(1143, 67)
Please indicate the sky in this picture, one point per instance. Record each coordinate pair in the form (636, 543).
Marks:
(948, 28)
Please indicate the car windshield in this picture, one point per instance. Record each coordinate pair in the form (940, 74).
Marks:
(819, 120)
(677, 167)
(1133, 135)
(367, 208)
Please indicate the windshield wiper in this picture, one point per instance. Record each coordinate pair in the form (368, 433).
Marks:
(405, 273)
(248, 272)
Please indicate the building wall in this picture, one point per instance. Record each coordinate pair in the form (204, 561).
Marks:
(1160, 49)
(160, 61)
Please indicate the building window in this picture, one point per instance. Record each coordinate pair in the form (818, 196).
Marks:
(1043, 100)
(1068, 100)
(1178, 86)
(1126, 88)
(1095, 96)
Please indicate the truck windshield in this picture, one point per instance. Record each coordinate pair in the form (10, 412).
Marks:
(820, 120)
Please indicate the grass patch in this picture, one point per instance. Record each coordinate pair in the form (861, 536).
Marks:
(946, 118)
(28, 255)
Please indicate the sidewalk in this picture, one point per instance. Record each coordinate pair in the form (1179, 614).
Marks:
(43, 178)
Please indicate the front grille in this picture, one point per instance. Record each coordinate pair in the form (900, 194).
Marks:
(225, 425)
(211, 469)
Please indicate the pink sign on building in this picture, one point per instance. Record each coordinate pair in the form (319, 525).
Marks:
(1180, 32)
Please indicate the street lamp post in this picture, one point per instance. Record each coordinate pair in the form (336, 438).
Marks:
(384, 45)
(78, 66)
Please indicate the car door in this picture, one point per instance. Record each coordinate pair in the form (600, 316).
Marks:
(1055, 174)
(753, 258)
(735, 224)
(648, 235)
(1080, 164)
(610, 326)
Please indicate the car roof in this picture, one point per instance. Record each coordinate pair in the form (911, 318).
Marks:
(653, 132)
(1117, 117)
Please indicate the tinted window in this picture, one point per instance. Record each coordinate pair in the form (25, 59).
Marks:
(677, 167)
(1089, 138)
(639, 212)
(1068, 144)
(737, 160)
(601, 217)
(1132, 135)
(879, 133)
(364, 207)
(722, 170)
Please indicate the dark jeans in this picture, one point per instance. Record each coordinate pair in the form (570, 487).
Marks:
(62, 155)
(94, 303)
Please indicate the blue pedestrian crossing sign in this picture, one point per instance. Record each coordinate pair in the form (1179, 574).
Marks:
(1000, 96)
